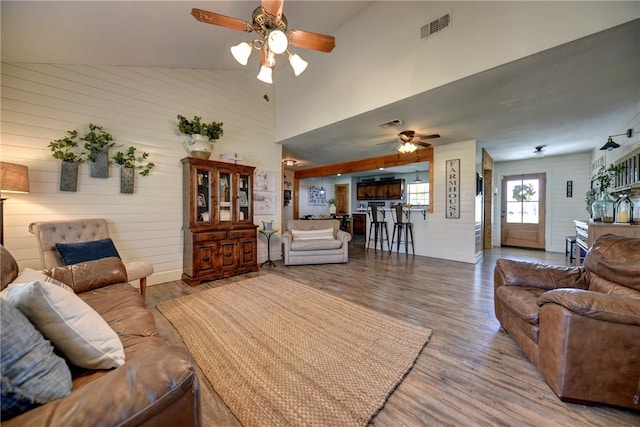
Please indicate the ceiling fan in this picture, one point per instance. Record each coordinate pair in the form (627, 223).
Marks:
(409, 141)
(270, 24)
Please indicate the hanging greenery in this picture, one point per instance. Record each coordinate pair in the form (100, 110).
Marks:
(523, 192)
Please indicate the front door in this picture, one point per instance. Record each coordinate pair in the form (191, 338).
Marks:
(523, 211)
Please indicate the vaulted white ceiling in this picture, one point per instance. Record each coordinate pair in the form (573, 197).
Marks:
(569, 97)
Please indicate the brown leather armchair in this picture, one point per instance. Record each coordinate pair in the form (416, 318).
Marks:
(580, 326)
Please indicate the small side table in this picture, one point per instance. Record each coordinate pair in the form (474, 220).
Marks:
(268, 234)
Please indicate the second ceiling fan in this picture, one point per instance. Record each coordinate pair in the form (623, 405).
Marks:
(270, 24)
(409, 141)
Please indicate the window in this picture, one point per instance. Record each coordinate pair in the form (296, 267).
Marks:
(418, 194)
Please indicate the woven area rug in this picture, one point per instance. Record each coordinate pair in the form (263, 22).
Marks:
(280, 353)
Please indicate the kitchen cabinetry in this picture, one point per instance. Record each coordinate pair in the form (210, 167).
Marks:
(381, 190)
(219, 235)
(359, 223)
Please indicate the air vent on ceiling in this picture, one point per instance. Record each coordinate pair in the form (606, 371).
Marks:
(395, 122)
(435, 26)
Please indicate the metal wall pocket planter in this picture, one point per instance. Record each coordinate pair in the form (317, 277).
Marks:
(69, 176)
(99, 166)
(127, 179)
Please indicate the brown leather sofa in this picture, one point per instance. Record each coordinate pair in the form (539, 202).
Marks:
(580, 326)
(156, 386)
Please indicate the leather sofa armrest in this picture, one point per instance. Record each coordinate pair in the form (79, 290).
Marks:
(595, 305)
(142, 390)
(511, 272)
(343, 236)
(85, 276)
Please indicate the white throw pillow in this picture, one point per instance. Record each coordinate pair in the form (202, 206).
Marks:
(29, 275)
(72, 326)
(326, 233)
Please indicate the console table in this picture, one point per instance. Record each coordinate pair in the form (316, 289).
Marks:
(588, 232)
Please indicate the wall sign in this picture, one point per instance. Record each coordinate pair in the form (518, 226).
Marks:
(452, 176)
(569, 188)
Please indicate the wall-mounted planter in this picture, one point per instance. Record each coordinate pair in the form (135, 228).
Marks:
(127, 179)
(69, 176)
(99, 168)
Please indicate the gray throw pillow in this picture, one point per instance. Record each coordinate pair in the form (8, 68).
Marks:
(31, 373)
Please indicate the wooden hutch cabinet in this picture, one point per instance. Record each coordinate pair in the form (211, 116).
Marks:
(219, 235)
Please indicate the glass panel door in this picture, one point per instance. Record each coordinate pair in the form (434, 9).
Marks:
(243, 197)
(224, 194)
(203, 196)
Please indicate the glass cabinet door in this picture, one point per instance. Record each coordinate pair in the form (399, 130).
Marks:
(225, 201)
(244, 193)
(203, 196)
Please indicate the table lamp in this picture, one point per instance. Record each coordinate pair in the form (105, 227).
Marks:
(13, 179)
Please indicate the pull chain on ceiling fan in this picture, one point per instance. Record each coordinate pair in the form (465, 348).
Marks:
(270, 24)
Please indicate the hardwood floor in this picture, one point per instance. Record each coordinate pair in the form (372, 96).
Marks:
(471, 372)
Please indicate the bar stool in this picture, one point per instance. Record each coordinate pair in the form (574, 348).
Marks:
(379, 228)
(400, 226)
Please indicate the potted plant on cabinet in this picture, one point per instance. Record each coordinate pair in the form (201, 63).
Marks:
(129, 162)
(98, 142)
(602, 208)
(66, 149)
(201, 134)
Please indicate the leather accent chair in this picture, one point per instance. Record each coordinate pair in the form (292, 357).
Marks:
(48, 233)
(580, 326)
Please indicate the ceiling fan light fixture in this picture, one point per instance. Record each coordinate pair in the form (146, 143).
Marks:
(265, 74)
(277, 41)
(539, 151)
(241, 52)
(297, 63)
(407, 147)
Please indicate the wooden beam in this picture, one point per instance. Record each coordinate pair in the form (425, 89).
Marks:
(372, 163)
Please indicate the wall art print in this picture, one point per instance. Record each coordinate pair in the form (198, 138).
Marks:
(452, 182)
(316, 196)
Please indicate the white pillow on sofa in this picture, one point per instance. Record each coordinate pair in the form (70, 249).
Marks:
(326, 233)
(71, 325)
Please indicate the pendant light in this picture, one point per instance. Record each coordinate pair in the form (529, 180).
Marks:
(417, 180)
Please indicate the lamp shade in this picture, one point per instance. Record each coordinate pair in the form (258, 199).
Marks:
(298, 64)
(14, 178)
(265, 74)
(241, 52)
(277, 41)
(610, 145)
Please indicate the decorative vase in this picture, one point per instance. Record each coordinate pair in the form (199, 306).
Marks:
(69, 176)
(199, 146)
(332, 209)
(99, 168)
(127, 176)
(602, 208)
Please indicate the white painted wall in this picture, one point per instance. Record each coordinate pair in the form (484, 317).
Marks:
(366, 70)
(452, 239)
(139, 107)
(560, 209)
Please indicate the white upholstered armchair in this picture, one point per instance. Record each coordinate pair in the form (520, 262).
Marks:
(315, 242)
(48, 233)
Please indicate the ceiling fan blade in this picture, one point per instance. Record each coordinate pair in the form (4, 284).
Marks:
(422, 144)
(434, 135)
(273, 8)
(221, 20)
(313, 41)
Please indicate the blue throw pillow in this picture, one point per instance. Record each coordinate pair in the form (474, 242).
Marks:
(32, 374)
(73, 253)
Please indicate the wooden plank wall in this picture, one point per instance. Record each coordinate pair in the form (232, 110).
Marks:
(139, 107)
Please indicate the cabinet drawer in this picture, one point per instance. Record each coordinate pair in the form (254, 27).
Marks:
(210, 236)
(235, 234)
